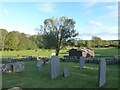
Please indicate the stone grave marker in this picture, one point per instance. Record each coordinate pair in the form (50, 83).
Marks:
(82, 62)
(54, 67)
(18, 67)
(102, 72)
(40, 65)
(7, 68)
(66, 72)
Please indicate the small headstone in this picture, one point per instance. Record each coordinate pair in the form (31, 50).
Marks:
(7, 68)
(82, 62)
(66, 72)
(40, 65)
(102, 72)
(18, 67)
(54, 67)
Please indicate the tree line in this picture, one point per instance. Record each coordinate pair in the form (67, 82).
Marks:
(55, 33)
(15, 40)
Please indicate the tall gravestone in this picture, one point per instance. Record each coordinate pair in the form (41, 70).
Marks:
(54, 67)
(82, 62)
(102, 72)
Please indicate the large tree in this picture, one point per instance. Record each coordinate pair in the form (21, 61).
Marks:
(96, 41)
(3, 34)
(61, 29)
(12, 40)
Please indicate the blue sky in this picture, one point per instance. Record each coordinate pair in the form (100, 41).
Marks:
(92, 18)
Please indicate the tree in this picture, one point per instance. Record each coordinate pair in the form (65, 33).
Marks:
(12, 41)
(62, 30)
(88, 44)
(3, 35)
(40, 41)
(96, 41)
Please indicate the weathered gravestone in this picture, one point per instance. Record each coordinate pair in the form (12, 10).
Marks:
(40, 65)
(102, 72)
(18, 67)
(66, 72)
(7, 68)
(82, 62)
(54, 67)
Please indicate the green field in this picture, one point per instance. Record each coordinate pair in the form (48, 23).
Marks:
(85, 78)
(47, 53)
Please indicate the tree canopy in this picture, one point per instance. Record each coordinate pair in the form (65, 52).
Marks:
(57, 31)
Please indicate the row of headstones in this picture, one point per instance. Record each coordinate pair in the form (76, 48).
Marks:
(101, 70)
(12, 67)
(109, 61)
(9, 60)
(55, 69)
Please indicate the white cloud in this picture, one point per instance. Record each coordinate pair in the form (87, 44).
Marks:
(21, 28)
(105, 32)
(88, 5)
(95, 23)
(89, 11)
(5, 11)
(112, 12)
(46, 7)
(110, 7)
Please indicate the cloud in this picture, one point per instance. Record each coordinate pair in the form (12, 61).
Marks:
(46, 7)
(88, 5)
(5, 11)
(95, 23)
(89, 11)
(21, 28)
(112, 12)
(105, 32)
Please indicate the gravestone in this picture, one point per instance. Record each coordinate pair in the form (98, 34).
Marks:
(18, 67)
(7, 68)
(40, 65)
(102, 72)
(54, 67)
(82, 62)
(66, 72)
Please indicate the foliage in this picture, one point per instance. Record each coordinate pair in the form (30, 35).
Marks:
(58, 31)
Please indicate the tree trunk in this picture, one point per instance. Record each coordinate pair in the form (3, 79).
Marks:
(57, 51)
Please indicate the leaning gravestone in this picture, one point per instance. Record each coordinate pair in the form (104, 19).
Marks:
(18, 67)
(102, 72)
(40, 65)
(82, 62)
(66, 72)
(54, 67)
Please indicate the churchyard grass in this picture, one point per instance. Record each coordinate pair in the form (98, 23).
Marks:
(47, 53)
(79, 78)
(85, 78)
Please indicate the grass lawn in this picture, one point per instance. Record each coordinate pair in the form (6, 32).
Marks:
(85, 78)
(47, 53)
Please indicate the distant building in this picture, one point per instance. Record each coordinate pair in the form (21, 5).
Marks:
(85, 52)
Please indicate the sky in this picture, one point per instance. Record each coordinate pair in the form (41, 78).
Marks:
(92, 18)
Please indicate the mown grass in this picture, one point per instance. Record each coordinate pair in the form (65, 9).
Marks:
(47, 53)
(85, 78)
